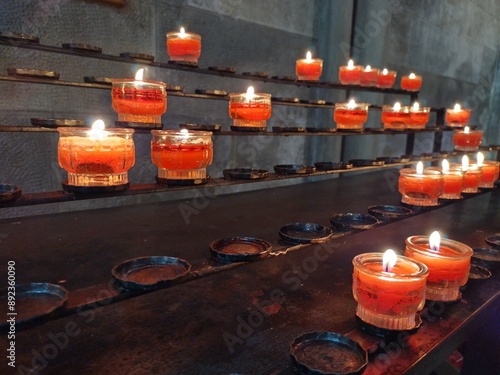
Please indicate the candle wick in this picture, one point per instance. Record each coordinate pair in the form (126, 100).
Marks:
(387, 267)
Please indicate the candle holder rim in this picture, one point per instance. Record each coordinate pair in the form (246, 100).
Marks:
(461, 109)
(236, 94)
(468, 252)
(389, 107)
(408, 76)
(471, 131)
(315, 59)
(174, 132)
(187, 33)
(356, 104)
(87, 130)
(412, 172)
(134, 81)
(422, 271)
(357, 66)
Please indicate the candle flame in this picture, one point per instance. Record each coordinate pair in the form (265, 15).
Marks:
(445, 165)
(420, 168)
(139, 75)
(480, 159)
(457, 108)
(465, 162)
(185, 133)
(368, 68)
(350, 64)
(434, 241)
(385, 72)
(412, 76)
(466, 130)
(250, 93)
(397, 107)
(182, 34)
(308, 56)
(97, 131)
(416, 106)
(389, 260)
(351, 104)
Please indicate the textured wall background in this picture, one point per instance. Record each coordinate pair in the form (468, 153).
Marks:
(452, 44)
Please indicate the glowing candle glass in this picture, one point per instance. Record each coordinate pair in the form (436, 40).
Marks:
(472, 176)
(457, 117)
(420, 187)
(466, 139)
(96, 157)
(369, 76)
(386, 78)
(395, 117)
(411, 82)
(489, 171)
(139, 100)
(419, 116)
(453, 181)
(250, 109)
(350, 74)
(309, 69)
(183, 46)
(181, 155)
(350, 115)
(448, 262)
(388, 296)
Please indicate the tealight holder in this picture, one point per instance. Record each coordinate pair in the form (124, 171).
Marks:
(489, 174)
(96, 159)
(453, 181)
(467, 140)
(420, 189)
(411, 82)
(457, 118)
(183, 46)
(181, 155)
(388, 300)
(369, 77)
(395, 118)
(308, 69)
(386, 79)
(350, 116)
(250, 112)
(350, 75)
(448, 267)
(419, 117)
(472, 178)
(139, 101)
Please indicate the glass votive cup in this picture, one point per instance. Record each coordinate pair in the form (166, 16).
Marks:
(368, 78)
(396, 119)
(388, 300)
(411, 84)
(139, 101)
(457, 118)
(420, 189)
(308, 70)
(181, 154)
(348, 116)
(184, 47)
(489, 173)
(96, 159)
(467, 140)
(250, 112)
(387, 80)
(350, 75)
(472, 178)
(419, 117)
(448, 267)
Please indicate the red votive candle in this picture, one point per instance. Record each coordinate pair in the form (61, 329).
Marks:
(368, 76)
(467, 140)
(411, 82)
(448, 263)
(350, 115)
(395, 117)
(472, 176)
(250, 109)
(386, 78)
(419, 116)
(388, 296)
(183, 46)
(457, 117)
(420, 187)
(308, 69)
(489, 171)
(453, 180)
(350, 74)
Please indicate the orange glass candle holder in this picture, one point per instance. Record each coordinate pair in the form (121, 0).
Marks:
(350, 74)
(448, 266)
(388, 300)
(395, 117)
(181, 155)
(350, 115)
(250, 110)
(411, 82)
(419, 117)
(453, 182)
(183, 46)
(489, 173)
(472, 178)
(467, 140)
(368, 77)
(386, 78)
(457, 117)
(139, 101)
(420, 189)
(308, 69)
(96, 157)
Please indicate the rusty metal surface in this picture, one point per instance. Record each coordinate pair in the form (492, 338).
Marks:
(240, 320)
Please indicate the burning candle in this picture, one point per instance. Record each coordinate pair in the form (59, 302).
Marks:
(419, 116)
(395, 117)
(350, 74)
(183, 46)
(389, 289)
(350, 115)
(467, 140)
(457, 117)
(448, 262)
(420, 187)
(386, 78)
(489, 171)
(181, 155)
(309, 69)
(453, 180)
(97, 156)
(411, 82)
(138, 100)
(472, 176)
(368, 76)
(250, 109)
